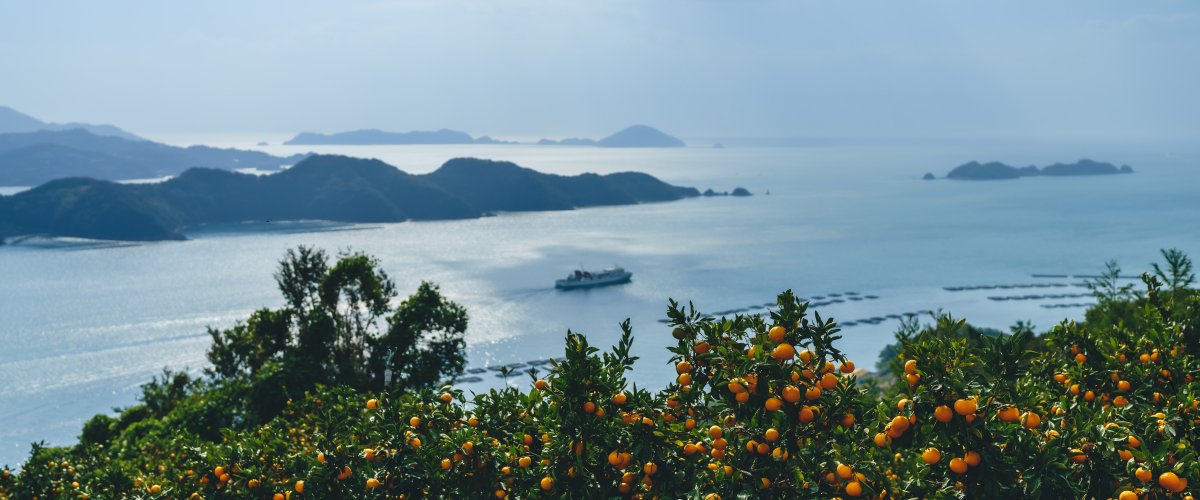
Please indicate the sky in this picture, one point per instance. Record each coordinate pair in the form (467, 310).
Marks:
(1095, 69)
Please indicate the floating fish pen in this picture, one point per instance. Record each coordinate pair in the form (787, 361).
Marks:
(476, 371)
(1060, 276)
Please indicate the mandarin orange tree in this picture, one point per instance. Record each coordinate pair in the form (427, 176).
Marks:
(759, 407)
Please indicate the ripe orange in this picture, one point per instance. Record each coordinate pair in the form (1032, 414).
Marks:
(345, 473)
(278, 496)
(965, 407)
(777, 334)
(844, 471)
(415, 421)
(773, 404)
(943, 413)
(1008, 414)
(1123, 385)
(1032, 420)
(791, 394)
(1120, 401)
(931, 456)
(1127, 495)
(848, 420)
(589, 407)
(715, 432)
(853, 489)
(783, 352)
(847, 367)
(972, 458)
(446, 464)
(882, 440)
(1080, 358)
(650, 468)
(806, 415)
(1134, 442)
(829, 381)
(806, 356)
(900, 424)
(812, 393)
(547, 483)
(742, 397)
(1171, 482)
(702, 348)
(771, 434)
(1143, 475)
(684, 379)
(447, 397)
(541, 384)
(619, 399)
(910, 367)
(958, 466)
(683, 367)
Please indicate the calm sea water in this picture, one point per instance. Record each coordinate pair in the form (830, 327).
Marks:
(83, 325)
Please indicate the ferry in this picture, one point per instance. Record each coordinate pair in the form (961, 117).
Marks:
(585, 279)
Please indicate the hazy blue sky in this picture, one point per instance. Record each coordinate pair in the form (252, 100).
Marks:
(1072, 69)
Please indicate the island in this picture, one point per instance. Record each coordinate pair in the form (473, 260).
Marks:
(374, 137)
(31, 158)
(997, 171)
(321, 187)
(12, 121)
(636, 136)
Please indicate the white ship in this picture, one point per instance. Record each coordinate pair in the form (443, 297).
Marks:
(585, 279)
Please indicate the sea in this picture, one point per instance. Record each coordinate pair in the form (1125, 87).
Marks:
(848, 225)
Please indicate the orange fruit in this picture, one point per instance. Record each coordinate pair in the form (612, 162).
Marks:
(812, 393)
(1032, 420)
(900, 424)
(958, 466)
(783, 352)
(589, 407)
(844, 471)
(683, 367)
(541, 384)
(684, 379)
(619, 399)
(715, 432)
(771, 434)
(931, 456)
(882, 440)
(547, 483)
(278, 496)
(447, 397)
(853, 489)
(773, 404)
(702, 348)
(777, 334)
(1123, 385)
(1127, 495)
(1080, 358)
(972, 458)
(829, 381)
(791, 394)
(650, 468)
(910, 367)
(1134, 442)
(415, 421)
(372, 483)
(446, 464)
(965, 407)
(806, 415)
(1143, 475)
(1009, 414)
(806, 356)
(848, 420)
(943, 413)
(847, 367)
(1171, 482)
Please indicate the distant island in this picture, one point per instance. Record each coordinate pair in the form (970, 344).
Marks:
(12, 121)
(31, 158)
(321, 187)
(379, 137)
(636, 136)
(996, 170)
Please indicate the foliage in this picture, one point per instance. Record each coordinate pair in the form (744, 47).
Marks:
(760, 407)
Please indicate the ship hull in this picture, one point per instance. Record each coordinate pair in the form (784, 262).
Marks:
(592, 283)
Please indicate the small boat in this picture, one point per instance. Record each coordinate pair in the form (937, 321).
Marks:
(585, 279)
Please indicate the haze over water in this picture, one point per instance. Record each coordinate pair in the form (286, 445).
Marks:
(85, 325)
